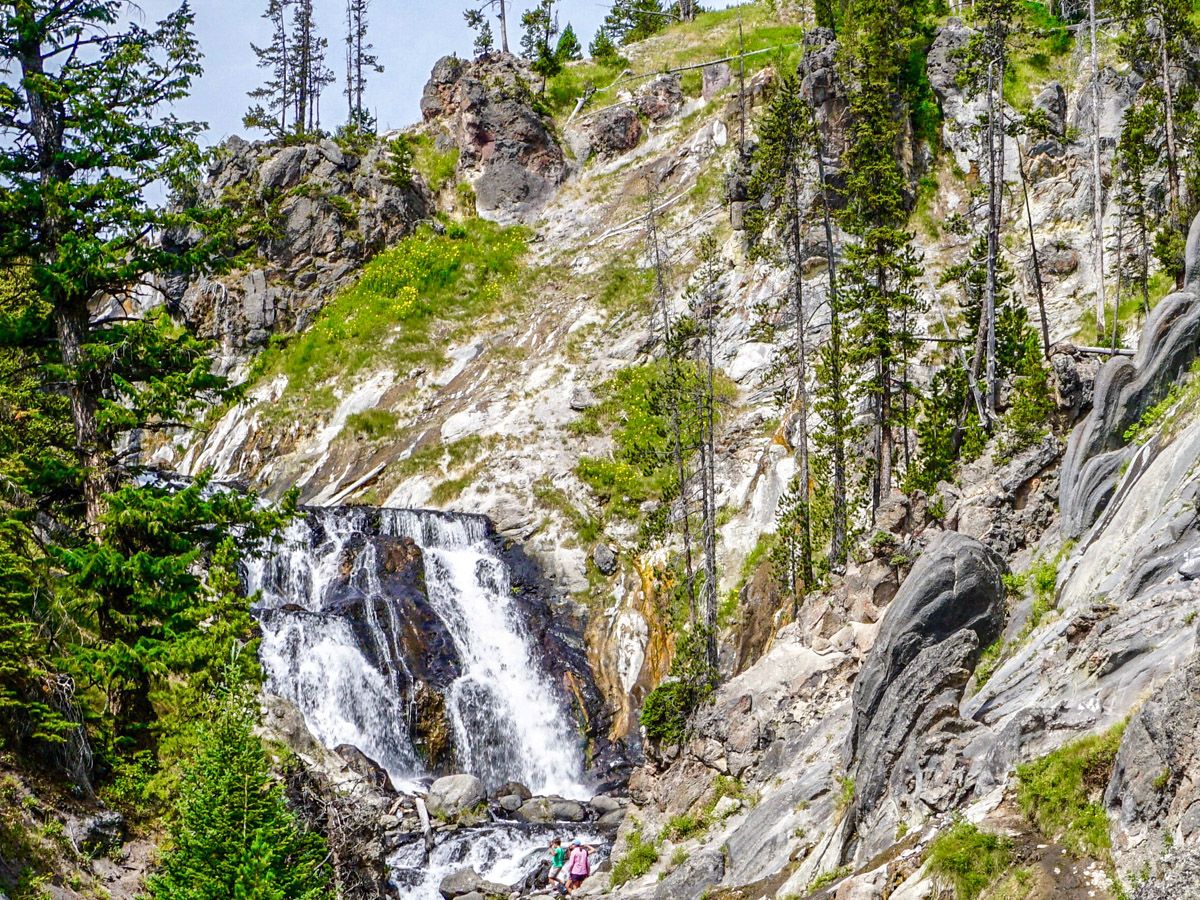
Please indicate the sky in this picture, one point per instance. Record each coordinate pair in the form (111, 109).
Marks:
(409, 37)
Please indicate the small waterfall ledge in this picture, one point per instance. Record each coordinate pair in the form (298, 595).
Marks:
(427, 642)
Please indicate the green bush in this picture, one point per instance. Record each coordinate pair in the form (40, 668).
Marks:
(640, 855)
(668, 708)
(967, 859)
(1062, 792)
(235, 835)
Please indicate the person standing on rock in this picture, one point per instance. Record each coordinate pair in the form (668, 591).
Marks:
(558, 859)
(579, 866)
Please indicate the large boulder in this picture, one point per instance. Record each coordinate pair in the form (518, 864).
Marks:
(467, 882)
(1125, 388)
(693, 878)
(661, 98)
(507, 147)
(453, 795)
(613, 131)
(905, 700)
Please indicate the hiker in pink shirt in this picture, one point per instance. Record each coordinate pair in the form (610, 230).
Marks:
(579, 865)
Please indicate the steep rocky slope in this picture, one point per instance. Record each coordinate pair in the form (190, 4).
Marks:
(914, 686)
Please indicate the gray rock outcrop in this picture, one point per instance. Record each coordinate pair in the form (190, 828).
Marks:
(613, 131)
(1125, 388)
(507, 149)
(1152, 797)
(661, 98)
(316, 213)
(948, 609)
(694, 878)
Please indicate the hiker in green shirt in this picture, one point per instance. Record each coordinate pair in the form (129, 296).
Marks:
(558, 859)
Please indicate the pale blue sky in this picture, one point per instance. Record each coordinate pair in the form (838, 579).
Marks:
(409, 36)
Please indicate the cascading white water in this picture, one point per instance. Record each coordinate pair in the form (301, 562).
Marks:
(507, 717)
(504, 852)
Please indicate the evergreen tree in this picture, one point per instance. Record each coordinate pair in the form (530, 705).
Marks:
(310, 74)
(568, 48)
(878, 277)
(633, 20)
(780, 164)
(360, 59)
(1135, 160)
(274, 96)
(986, 62)
(484, 41)
(477, 21)
(602, 48)
(1156, 41)
(235, 836)
(539, 28)
(127, 558)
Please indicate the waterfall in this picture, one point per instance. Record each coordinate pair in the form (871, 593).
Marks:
(333, 644)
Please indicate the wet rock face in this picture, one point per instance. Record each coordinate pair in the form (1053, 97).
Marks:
(1152, 797)
(1125, 388)
(417, 633)
(507, 148)
(319, 213)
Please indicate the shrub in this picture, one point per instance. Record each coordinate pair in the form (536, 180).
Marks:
(968, 859)
(640, 855)
(668, 708)
(1062, 792)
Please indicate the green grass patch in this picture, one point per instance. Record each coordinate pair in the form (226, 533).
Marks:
(389, 317)
(1062, 793)
(636, 409)
(711, 35)
(1044, 55)
(437, 167)
(588, 528)
(452, 488)
(640, 855)
(372, 424)
(827, 878)
(623, 287)
(989, 661)
(968, 860)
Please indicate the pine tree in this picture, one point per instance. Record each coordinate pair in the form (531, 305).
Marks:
(1155, 41)
(310, 74)
(235, 836)
(477, 21)
(275, 97)
(986, 62)
(484, 41)
(634, 20)
(568, 48)
(539, 28)
(878, 278)
(360, 59)
(128, 553)
(780, 164)
(602, 48)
